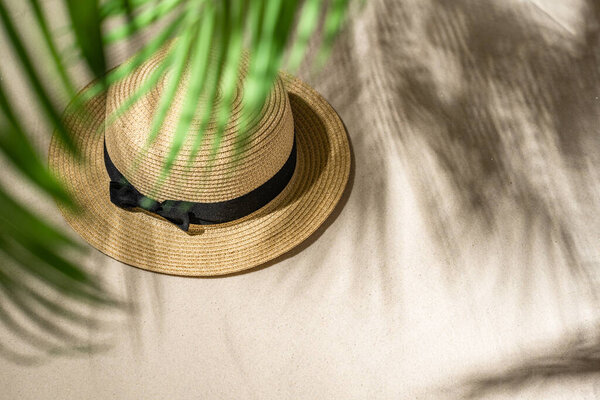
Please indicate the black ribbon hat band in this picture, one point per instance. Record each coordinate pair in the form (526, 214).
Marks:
(183, 213)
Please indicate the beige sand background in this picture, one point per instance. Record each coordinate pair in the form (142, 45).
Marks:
(462, 262)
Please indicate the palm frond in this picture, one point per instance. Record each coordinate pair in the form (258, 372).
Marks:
(85, 19)
(198, 67)
(17, 149)
(59, 63)
(333, 22)
(42, 95)
(233, 32)
(307, 24)
(37, 264)
(142, 20)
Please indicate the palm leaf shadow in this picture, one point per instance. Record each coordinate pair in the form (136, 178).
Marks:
(578, 359)
(489, 150)
(538, 157)
(509, 121)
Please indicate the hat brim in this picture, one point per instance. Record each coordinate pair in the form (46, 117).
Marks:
(147, 242)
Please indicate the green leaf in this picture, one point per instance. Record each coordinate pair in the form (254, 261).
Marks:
(180, 56)
(306, 26)
(259, 63)
(17, 149)
(256, 12)
(229, 79)
(276, 25)
(180, 52)
(217, 61)
(137, 60)
(283, 30)
(119, 7)
(58, 62)
(20, 153)
(30, 73)
(146, 18)
(148, 84)
(333, 23)
(85, 17)
(199, 67)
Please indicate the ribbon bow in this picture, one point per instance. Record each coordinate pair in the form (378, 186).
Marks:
(124, 195)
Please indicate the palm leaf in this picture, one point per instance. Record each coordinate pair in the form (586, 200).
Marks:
(181, 51)
(30, 248)
(212, 77)
(15, 145)
(118, 7)
(142, 20)
(85, 17)
(198, 67)
(49, 41)
(41, 93)
(335, 18)
(306, 26)
(233, 32)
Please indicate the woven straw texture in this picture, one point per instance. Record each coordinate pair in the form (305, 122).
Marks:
(271, 139)
(148, 242)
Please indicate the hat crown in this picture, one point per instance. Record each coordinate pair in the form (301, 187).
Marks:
(202, 179)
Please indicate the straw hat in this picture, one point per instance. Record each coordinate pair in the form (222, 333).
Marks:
(241, 212)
